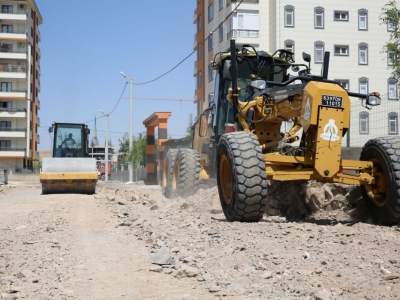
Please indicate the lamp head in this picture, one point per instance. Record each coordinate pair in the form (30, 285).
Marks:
(122, 73)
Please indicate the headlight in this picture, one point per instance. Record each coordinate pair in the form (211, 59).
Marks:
(373, 99)
(259, 84)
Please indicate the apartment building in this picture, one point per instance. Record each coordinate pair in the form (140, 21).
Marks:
(20, 84)
(350, 30)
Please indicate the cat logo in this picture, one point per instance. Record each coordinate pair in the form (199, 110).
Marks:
(307, 109)
(330, 132)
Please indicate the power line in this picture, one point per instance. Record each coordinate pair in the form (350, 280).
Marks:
(161, 99)
(212, 32)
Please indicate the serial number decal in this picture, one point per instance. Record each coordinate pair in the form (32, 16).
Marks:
(333, 101)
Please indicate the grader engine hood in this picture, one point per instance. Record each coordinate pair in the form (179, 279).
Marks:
(327, 105)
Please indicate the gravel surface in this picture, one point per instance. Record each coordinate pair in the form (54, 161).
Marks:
(129, 242)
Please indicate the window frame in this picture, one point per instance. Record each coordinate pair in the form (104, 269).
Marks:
(361, 12)
(198, 23)
(210, 12)
(199, 51)
(289, 45)
(361, 82)
(341, 12)
(322, 45)
(210, 73)
(7, 144)
(221, 33)
(199, 79)
(363, 47)
(289, 10)
(340, 81)
(210, 43)
(363, 115)
(220, 4)
(390, 27)
(347, 47)
(393, 116)
(319, 11)
(393, 81)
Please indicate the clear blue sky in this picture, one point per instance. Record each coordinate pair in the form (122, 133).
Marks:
(84, 46)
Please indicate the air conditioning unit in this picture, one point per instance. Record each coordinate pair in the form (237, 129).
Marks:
(18, 170)
(22, 6)
(21, 45)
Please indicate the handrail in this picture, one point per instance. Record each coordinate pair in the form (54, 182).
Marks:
(12, 109)
(5, 50)
(12, 129)
(11, 149)
(12, 68)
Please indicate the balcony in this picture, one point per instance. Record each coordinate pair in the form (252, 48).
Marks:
(9, 151)
(11, 93)
(244, 1)
(12, 71)
(13, 14)
(19, 35)
(39, 35)
(12, 112)
(6, 53)
(195, 16)
(37, 103)
(38, 121)
(242, 33)
(195, 42)
(37, 138)
(195, 68)
(7, 132)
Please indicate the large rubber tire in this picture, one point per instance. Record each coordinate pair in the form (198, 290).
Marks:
(241, 177)
(169, 162)
(186, 173)
(383, 197)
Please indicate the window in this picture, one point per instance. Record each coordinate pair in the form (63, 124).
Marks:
(5, 125)
(199, 48)
(289, 46)
(199, 23)
(221, 4)
(210, 42)
(289, 16)
(392, 88)
(341, 15)
(199, 79)
(7, 28)
(341, 50)
(210, 73)
(7, 9)
(364, 122)
(5, 104)
(319, 18)
(5, 145)
(390, 58)
(363, 54)
(6, 86)
(393, 123)
(344, 83)
(221, 33)
(390, 27)
(210, 12)
(362, 19)
(319, 52)
(199, 107)
(363, 85)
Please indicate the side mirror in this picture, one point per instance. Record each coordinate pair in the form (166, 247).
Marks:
(226, 71)
(373, 99)
(306, 57)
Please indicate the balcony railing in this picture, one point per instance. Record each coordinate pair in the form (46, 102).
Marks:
(12, 91)
(9, 129)
(5, 50)
(12, 109)
(22, 31)
(13, 11)
(13, 68)
(244, 1)
(11, 149)
(243, 33)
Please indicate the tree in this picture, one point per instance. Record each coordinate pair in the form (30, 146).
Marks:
(137, 155)
(390, 16)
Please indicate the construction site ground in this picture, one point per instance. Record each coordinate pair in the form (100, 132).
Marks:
(129, 242)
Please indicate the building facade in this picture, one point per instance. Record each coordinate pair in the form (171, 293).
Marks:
(350, 30)
(20, 84)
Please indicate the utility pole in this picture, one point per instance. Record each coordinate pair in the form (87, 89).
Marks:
(130, 80)
(106, 156)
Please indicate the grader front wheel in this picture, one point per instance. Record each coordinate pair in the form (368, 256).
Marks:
(185, 174)
(383, 197)
(167, 173)
(241, 177)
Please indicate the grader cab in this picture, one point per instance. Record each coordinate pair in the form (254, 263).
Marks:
(238, 139)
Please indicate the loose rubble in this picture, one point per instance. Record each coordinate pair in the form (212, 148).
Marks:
(320, 247)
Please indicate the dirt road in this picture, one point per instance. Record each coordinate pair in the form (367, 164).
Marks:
(135, 244)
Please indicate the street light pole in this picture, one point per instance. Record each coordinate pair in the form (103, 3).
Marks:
(130, 80)
(106, 158)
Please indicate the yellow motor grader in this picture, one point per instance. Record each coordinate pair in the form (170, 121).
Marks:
(238, 139)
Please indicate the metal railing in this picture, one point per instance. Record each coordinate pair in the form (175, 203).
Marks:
(12, 11)
(13, 68)
(12, 129)
(11, 149)
(15, 31)
(242, 33)
(12, 91)
(244, 1)
(12, 109)
(5, 50)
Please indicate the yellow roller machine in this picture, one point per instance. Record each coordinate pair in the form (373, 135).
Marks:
(69, 170)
